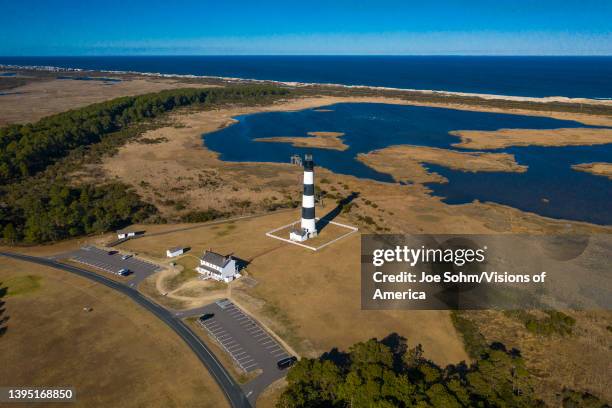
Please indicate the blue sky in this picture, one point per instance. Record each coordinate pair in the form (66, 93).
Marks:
(520, 27)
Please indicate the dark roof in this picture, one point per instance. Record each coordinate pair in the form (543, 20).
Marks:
(125, 231)
(216, 259)
(174, 249)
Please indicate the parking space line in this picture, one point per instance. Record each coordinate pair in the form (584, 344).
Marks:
(215, 329)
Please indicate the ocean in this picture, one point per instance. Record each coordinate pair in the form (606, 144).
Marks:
(587, 77)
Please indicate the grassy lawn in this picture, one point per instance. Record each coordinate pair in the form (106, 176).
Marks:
(189, 263)
(310, 299)
(21, 285)
(115, 355)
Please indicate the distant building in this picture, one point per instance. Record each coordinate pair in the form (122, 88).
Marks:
(126, 233)
(219, 267)
(176, 251)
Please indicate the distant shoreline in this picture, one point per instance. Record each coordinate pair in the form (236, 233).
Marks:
(296, 84)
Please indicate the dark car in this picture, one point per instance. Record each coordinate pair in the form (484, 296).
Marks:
(206, 317)
(112, 252)
(286, 362)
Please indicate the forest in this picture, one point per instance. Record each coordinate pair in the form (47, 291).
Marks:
(40, 203)
(388, 374)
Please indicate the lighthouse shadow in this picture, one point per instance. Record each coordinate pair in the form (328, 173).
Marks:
(327, 218)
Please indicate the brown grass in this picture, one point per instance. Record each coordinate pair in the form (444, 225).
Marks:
(116, 355)
(35, 100)
(404, 162)
(320, 140)
(270, 396)
(580, 361)
(498, 139)
(310, 299)
(325, 235)
(599, 169)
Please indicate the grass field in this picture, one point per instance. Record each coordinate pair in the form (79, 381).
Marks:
(116, 355)
(311, 299)
(579, 361)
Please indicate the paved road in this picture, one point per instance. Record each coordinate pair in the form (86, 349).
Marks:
(245, 341)
(232, 390)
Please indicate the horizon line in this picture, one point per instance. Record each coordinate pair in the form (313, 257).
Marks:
(306, 55)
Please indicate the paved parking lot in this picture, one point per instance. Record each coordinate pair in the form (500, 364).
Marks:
(249, 345)
(100, 259)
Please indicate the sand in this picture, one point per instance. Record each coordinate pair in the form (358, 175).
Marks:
(404, 163)
(599, 169)
(477, 139)
(319, 140)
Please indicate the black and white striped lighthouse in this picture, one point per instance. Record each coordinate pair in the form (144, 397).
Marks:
(308, 224)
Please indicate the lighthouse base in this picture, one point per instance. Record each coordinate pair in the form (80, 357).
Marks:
(301, 235)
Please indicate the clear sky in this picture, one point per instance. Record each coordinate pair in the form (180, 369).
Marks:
(137, 27)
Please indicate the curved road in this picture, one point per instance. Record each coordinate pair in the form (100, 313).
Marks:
(232, 390)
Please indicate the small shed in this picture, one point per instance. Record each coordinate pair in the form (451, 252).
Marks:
(126, 233)
(174, 252)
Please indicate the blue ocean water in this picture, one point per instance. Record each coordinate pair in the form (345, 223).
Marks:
(550, 187)
(589, 77)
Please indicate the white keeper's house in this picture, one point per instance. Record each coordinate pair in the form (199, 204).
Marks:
(219, 267)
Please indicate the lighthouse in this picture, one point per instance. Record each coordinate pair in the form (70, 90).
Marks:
(308, 228)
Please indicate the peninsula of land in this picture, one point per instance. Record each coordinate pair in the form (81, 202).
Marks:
(599, 169)
(405, 163)
(498, 139)
(319, 140)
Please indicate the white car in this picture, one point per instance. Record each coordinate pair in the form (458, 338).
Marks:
(127, 256)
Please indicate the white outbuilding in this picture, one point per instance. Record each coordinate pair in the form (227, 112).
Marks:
(219, 267)
(126, 233)
(174, 252)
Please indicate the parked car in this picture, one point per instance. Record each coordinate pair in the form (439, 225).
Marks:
(124, 272)
(127, 256)
(286, 362)
(206, 317)
(112, 252)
